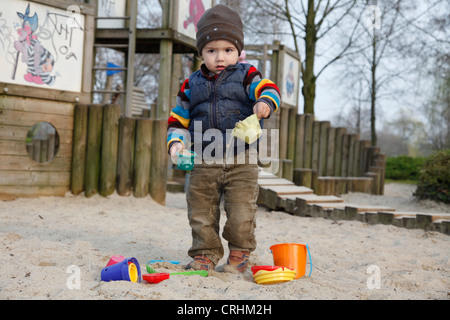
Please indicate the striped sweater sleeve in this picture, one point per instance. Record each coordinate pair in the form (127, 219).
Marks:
(259, 89)
(179, 118)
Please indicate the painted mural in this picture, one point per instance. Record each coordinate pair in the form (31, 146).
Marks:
(189, 12)
(41, 46)
(111, 8)
(290, 82)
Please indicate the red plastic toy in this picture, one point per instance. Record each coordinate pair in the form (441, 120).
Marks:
(156, 277)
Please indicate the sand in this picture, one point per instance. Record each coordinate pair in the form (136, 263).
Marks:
(56, 247)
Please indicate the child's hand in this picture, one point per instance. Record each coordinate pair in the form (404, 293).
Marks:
(177, 146)
(261, 109)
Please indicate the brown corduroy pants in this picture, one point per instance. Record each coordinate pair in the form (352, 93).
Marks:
(238, 185)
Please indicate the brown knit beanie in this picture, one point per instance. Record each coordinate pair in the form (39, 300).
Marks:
(220, 23)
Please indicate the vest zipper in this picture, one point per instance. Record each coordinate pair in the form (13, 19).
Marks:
(214, 106)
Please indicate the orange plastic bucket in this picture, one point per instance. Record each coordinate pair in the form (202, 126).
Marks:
(293, 256)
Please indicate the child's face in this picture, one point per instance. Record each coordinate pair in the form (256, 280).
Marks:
(219, 54)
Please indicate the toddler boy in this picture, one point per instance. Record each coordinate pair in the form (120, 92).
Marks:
(216, 97)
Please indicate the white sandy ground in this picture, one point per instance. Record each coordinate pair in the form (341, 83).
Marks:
(43, 240)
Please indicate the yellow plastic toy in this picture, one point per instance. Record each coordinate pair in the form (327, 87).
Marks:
(272, 274)
(248, 130)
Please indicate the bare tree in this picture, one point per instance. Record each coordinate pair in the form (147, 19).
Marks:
(308, 22)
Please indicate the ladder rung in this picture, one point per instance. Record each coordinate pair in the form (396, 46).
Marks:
(107, 69)
(111, 45)
(108, 18)
(107, 91)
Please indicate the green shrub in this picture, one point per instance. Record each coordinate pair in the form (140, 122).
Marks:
(404, 167)
(434, 180)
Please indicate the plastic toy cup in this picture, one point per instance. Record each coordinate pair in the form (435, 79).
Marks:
(126, 270)
(293, 256)
(272, 274)
(115, 259)
(185, 160)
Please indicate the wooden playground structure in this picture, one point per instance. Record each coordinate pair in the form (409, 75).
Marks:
(54, 139)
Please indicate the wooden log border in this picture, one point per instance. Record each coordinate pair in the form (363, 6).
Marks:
(302, 202)
(114, 153)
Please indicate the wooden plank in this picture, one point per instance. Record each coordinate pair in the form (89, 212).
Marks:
(12, 117)
(274, 196)
(36, 106)
(18, 148)
(300, 200)
(34, 178)
(313, 198)
(274, 182)
(25, 163)
(266, 175)
(287, 190)
(14, 192)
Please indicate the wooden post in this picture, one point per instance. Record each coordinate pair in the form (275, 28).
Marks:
(330, 151)
(292, 134)
(79, 148)
(380, 162)
(132, 9)
(127, 127)
(363, 144)
(93, 152)
(287, 169)
(351, 149)
(299, 141)
(369, 156)
(315, 146)
(165, 67)
(307, 159)
(283, 129)
(340, 132)
(110, 146)
(323, 146)
(345, 146)
(302, 177)
(340, 186)
(159, 163)
(142, 157)
(356, 157)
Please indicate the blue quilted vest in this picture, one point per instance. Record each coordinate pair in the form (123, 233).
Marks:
(216, 106)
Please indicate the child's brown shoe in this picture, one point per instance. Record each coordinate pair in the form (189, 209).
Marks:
(237, 261)
(201, 263)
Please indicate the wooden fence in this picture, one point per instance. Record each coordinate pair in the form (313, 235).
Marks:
(329, 160)
(114, 153)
